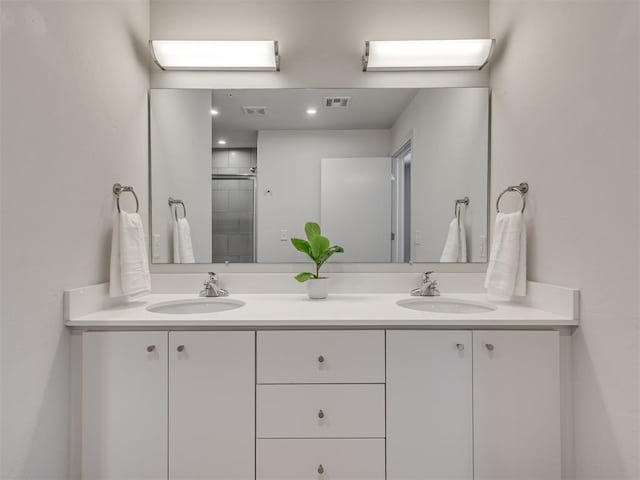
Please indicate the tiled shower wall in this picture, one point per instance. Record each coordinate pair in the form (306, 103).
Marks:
(233, 206)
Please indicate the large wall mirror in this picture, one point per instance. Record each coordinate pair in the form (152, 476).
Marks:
(392, 175)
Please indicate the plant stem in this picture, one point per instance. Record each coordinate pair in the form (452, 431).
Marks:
(317, 271)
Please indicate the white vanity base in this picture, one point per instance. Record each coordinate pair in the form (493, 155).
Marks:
(352, 387)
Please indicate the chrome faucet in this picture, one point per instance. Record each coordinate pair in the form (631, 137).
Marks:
(211, 288)
(429, 288)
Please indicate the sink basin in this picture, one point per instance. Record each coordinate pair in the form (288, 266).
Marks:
(445, 305)
(197, 305)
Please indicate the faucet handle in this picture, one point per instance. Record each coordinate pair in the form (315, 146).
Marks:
(213, 277)
(426, 275)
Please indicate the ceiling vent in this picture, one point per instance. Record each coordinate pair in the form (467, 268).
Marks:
(337, 102)
(255, 111)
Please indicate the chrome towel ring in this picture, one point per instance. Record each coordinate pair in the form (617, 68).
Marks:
(522, 189)
(119, 189)
(175, 202)
(461, 201)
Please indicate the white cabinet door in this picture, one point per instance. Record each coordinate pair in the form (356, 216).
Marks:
(124, 406)
(516, 391)
(429, 405)
(211, 405)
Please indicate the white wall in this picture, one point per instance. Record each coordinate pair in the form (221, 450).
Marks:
(73, 122)
(565, 108)
(321, 41)
(180, 125)
(449, 131)
(289, 166)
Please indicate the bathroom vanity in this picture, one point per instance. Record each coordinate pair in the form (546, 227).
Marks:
(353, 387)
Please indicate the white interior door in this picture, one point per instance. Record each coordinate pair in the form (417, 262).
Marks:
(355, 207)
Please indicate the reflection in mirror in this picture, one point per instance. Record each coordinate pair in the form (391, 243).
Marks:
(392, 175)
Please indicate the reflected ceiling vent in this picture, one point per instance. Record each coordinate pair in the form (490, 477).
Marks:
(255, 111)
(337, 102)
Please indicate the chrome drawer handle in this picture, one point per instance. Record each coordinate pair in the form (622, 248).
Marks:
(320, 469)
(180, 348)
(151, 348)
(320, 359)
(320, 414)
(489, 346)
(460, 347)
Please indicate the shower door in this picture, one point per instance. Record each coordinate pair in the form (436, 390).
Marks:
(233, 218)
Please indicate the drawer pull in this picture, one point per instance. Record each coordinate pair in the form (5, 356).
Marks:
(489, 346)
(320, 414)
(151, 348)
(320, 359)
(460, 347)
(180, 348)
(320, 469)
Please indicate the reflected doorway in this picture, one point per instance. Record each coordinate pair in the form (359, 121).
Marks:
(401, 204)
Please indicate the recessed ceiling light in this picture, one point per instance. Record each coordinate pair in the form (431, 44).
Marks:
(311, 111)
(214, 111)
(222, 141)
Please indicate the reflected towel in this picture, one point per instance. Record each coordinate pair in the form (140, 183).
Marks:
(129, 270)
(182, 245)
(507, 270)
(455, 247)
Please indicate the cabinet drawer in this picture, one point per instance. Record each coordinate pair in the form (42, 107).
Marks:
(320, 357)
(337, 459)
(320, 411)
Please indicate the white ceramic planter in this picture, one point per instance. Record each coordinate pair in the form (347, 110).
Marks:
(318, 287)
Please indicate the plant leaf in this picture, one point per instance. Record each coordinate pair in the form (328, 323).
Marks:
(327, 254)
(304, 276)
(319, 246)
(301, 245)
(312, 229)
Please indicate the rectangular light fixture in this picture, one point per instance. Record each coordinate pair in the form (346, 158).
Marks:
(216, 55)
(406, 55)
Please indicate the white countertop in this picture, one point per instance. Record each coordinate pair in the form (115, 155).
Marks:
(297, 311)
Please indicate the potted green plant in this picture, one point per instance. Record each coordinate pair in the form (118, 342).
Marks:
(318, 248)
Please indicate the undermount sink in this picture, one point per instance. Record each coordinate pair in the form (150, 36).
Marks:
(197, 305)
(445, 305)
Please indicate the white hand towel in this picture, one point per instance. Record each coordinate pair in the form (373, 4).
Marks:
(129, 270)
(452, 244)
(182, 244)
(507, 270)
(455, 247)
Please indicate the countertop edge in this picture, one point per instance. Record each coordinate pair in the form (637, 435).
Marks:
(309, 324)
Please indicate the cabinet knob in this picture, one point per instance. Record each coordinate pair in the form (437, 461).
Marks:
(320, 469)
(151, 348)
(321, 359)
(180, 348)
(320, 414)
(460, 347)
(489, 346)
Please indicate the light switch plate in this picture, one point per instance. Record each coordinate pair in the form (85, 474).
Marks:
(155, 246)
